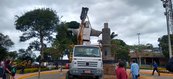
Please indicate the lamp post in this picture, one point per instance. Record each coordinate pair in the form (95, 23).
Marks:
(167, 4)
(138, 38)
(138, 48)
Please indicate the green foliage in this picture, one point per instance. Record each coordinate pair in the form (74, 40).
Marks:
(3, 53)
(73, 24)
(65, 38)
(163, 43)
(39, 24)
(113, 35)
(51, 54)
(5, 43)
(140, 47)
(120, 49)
(13, 54)
(36, 23)
(26, 55)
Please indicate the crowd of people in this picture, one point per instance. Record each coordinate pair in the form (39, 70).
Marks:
(8, 69)
(121, 70)
(121, 73)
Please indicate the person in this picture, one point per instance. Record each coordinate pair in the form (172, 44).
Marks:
(134, 70)
(155, 68)
(120, 71)
(23, 64)
(8, 69)
(3, 67)
(13, 70)
(2, 70)
(61, 66)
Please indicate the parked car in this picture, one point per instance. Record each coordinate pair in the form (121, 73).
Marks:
(35, 64)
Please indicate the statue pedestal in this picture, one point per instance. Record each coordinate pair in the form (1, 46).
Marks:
(108, 58)
(109, 69)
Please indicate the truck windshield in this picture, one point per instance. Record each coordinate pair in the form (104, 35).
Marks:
(84, 51)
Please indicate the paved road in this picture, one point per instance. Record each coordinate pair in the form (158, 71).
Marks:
(49, 76)
(149, 76)
(56, 74)
(146, 74)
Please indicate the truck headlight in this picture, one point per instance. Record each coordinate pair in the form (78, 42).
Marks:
(75, 71)
(100, 64)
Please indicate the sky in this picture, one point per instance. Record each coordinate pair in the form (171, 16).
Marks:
(125, 17)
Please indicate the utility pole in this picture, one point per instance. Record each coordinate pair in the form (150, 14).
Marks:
(139, 53)
(138, 38)
(167, 4)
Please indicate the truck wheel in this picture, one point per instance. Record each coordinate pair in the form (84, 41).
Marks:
(71, 77)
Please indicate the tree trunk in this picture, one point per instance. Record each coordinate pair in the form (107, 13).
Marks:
(41, 53)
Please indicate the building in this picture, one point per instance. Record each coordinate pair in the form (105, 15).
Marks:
(148, 56)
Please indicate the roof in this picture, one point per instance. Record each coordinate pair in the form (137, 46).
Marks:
(147, 55)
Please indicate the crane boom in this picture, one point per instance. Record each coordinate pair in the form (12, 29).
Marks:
(82, 24)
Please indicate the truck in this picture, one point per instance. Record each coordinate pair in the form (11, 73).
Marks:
(86, 62)
(86, 59)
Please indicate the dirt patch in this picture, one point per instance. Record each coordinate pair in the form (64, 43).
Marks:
(109, 77)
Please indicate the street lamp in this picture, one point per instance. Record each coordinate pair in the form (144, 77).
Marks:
(167, 4)
(138, 38)
(139, 48)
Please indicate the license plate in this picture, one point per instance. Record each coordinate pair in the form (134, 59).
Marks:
(87, 71)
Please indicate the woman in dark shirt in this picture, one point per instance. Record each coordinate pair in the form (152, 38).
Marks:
(8, 69)
(13, 70)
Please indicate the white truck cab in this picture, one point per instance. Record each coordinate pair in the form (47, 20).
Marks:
(86, 61)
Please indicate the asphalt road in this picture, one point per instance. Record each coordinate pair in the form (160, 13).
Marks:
(145, 74)
(49, 76)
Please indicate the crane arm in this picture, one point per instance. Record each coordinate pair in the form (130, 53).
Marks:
(81, 27)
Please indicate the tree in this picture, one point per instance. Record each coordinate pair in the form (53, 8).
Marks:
(149, 46)
(5, 43)
(52, 53)
(39, 24)
(65, 39)
(73, 24)
(120, 49)
(13, 55)
(139, 48)
(26, 55)
(3, 53)
(163, 44)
